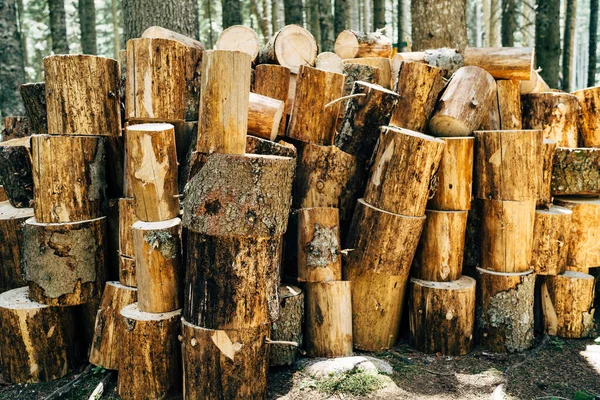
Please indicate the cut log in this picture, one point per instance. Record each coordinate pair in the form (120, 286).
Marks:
(491, 122)
(71, 274)
(502, 62)
(505, 162)
(535, 84)
(383, 64)
(584, 251)
(354, 44)
(82, 95)
(225, 364)
(454, 176)
(505, 311)
(112, 244)
(313, 118)
(158, 32)
(151, 165)
(127, 274)
(359, 130)
(557, 114)
(442, 316)
(34, 100)
(15, 127)
(509, 103)
(472, 250)
(568, 305)
(158, 265)
(36, 340)
(576, 172)
(439, 255)
(358, 72)
(319, 258)
(239, 38)
(403, 165)
(11, 242)
(106, 349)
(288, 327)
(419, 86)
(274, 81)
(450, 60)
(328, 331)
(159, 356)
(256, 145)
(459, 111)
(68, 177)
(126, 219)
(544, 192)
(589, 101)
(551, 238)
(292, 47)
(264, 116)
(507, 235)
(328, 61)
(15, 171)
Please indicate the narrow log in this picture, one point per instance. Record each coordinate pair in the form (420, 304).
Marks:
(107, 349)
(15, 127)
(127, 275)
(112, 241)
(551, 238)
(127, 218)
(11, 242)
(292, 47)
(491, 122)
(509, 103)
(450, 60)
(15, 171)
(383, 64)
(34, 100)
(472, 252)
(354, 44)
(3, 196)
(288, 327)
(274, 81)
(502, 62)
(158, 32)
(535, 84)
(589, 102)
(264, 116)
(255, 145)
(239, 38)
(576, 172)
(442, 316)
(358, 72)
(584, 251)
(544, 191)
(328, 61)
(555, 113)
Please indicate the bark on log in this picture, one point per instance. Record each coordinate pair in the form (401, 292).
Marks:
(159, 356)
(239, 38)
(557, 114)
(328, 61)
(544, 191)
(383, 64)
(509, 104)
(264, 116)
(459, 111)
(491, 122)
(439, 255)
(535, 84)
(450, 60)
(274, 81)
(255, 145)
(585, 231)
(34, 100)
(505, 311)
(68, 177)
(502, 62)
(73, 272)
(15, 171)
(354, 44)
(589, 102)
(3, 194)
(576, 172)
(328, 319)
(157, 32)
(288, 327)
(127, 218)
(358, 72)
(107, 349)
(127, 275)
(551, 238)
(442, 316)
(15, 127)
(11, 242)
(36, 341)
(292, 47)
(82, 95)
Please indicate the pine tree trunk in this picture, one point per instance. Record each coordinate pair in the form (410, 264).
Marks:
(326, 25)
(509, 23)
(312, 16)
(12, 73)
(58, 26)
(232, 13)
(547, 40)
(87, 24)
(401, 26)
(293, 12)
(341, 14)
(274, 16)
(441, 23)
(378, 14)
(569, 38)
(115, 23)
(140, 14)
(593, 42)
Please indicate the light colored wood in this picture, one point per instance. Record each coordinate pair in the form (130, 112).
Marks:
(15, 171)
(159, 356)
(442, 316)
(264, 116)
(584, 244)
(68, 177)
(450, 60)
(383, 64)
(34, 101)
(319, 258)
(239, 38)
(551, 238)
(126, 219)
(158, 265)
(509, 103)
(288, 327)
(82, 95)
(439, 255)
(151, 159)
(354, 44)
(292, 47)
(557, 114)
(289, 106)
(507, 164)
(464, 104)
(158, 32)
(403, 166)
(127, 274)
(106, 349)
(576, 172)
(589, 101)
(491, 122)
(11, 243)
(328, 61)
(544, 193)
(535, 84)
(274, 81)
(454, 175)
(502, 62)
(328, 329)
(578, 268)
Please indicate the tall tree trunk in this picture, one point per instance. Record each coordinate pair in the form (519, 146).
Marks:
(208, 12)
(367, 15)
(87, 25)
(400, 11)
(547, 40)
(22, 32)
(569, 37)
(341, 15)
(58, 26)
(263, 24)
(378, 14)
(528, 23)
(439, 23)
(232, 13)
(326, 25)
(354, 14)
(115, 22)
(12, 73)
(593, 42)
(177, 15)
(494, 32)
(313, 23)
(487, 21)
(293, 12)
(509, 23)
(478, 25)
(274, 16)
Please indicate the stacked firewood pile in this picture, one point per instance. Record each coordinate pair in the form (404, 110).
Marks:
(204, 214)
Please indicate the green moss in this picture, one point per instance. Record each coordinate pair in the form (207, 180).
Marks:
(354, 383)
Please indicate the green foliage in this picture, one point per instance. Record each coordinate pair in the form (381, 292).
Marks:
(583, 395)
(355, 383)
(556, 343)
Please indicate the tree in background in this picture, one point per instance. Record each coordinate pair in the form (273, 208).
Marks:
(569, 36)
(400, 11)
(509, 23)
(177, 15)
(87, 23)
(593, 43)
(58, 26)
(378, 14)
(547, 40)
(232, 13)
(312, 19)
(439, 23)
(293, 12)
(326, 25)
(12, 73)
(341, 15)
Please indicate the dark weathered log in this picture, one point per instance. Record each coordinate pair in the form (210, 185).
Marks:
(15, 171)
(544, 192)
(576, 172)
(381, 65)
(288, 327)
(15, 127)
(34, 100)
(11, 242)
(589, 101)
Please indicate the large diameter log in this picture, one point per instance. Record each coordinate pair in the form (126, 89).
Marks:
(372, 107)
(158, 265)
(239, 38)
(454, 175)
(292, 47)
(328, 61)
(224, 102)
(313, 118)
(264, 116)
(225, 364)
(240, 195)
(328, 331)
(383, 65)
(107, 349)
(544, 183)
(273, 81)
(82, 95)
(15, 171)
(403, 165)
(576, 172)
(159, 356)
(589, 102)
(68, 177)
(505, 162)
(34, 100)
(127, 274)
(127, 218)
(419, 87)
(288, 327)
(502, 62)
(73, 272)
(584, 251)
(439, 255)
(11, 242)
(151, 165)
(36, 341)
(568, 305)
(535, 84)
(442, 316)
(319, 258)
(557, 114)
(354, 44)
(551, 238)
(464, 103)
(509, 104)
(382, 242)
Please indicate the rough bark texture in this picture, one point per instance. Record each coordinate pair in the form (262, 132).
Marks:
(127, 275)
(181, 17)
(551, 238)
(491, 122)
(15, 127)
(58, 26)
(576, 172)
(547, 40)
(502, 62)
(273, 81)
(293, 12)
(127, 218)
(555, 113)
(292, 47)
(12, 71)
(383, 65)
(544, 192)
(357, 72)
(87, 26)
(255, 145)
(11, 242)
(288, 327)
(584, 251)
(509, 104)
(15, 171)
(438, 24)
(34, 100)
(473, 237)
(232, 13)
(589, 101)
(354, 44)
(319, 258)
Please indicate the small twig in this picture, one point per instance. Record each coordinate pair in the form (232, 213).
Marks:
(285, 342)
(61, 391)
(99, 391)
(350, 96)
